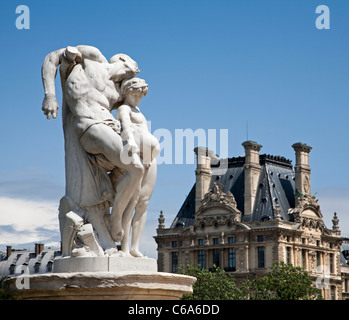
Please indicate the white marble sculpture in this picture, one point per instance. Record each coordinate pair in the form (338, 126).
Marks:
(110, 162)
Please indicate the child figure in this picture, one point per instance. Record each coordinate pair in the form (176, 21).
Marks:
(143, 144)
(133, 123)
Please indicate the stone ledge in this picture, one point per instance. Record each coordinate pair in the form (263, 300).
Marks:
(104, 264)
(105, 286)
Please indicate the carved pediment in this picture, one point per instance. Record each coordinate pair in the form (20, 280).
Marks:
(310, 207)
(216, 197)
(218, 207)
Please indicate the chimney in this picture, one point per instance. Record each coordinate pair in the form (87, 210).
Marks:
(8, 251)
(252, 170)
(39, 247)
(302, 170)
(203, 174)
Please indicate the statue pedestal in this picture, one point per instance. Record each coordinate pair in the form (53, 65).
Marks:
(105, 286)
(104, 278)
(104, 264)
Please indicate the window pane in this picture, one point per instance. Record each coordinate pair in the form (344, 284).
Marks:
(201, 259)
(318, 259)
(216, 257)
(333, 292)
(260, 257)
(231, 240)
(231, 259)
(331, 262)
(303, 258)
(288, 255)
(174, 261)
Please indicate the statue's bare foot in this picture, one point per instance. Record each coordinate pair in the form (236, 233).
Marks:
(136, 253)
(126, 254)
(111, 252)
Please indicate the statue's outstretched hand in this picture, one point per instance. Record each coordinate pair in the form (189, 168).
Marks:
(50, 106)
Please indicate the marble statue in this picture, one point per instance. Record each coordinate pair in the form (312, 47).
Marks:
(110, 161)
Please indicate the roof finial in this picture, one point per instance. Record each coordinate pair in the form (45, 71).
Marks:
(335, 222)
(161, 220)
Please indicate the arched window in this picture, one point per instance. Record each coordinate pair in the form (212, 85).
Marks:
(49, 266)
(12, 268)
(37, 267)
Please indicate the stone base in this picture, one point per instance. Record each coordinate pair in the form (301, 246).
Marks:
(105, 286)
(104, 264)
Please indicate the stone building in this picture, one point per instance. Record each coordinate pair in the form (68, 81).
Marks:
(39, 260)
(245, 213)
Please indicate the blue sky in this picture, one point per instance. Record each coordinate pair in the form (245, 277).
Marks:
(209, 64)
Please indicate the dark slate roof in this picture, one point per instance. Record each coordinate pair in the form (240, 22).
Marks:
(185, 216)
(276, 182)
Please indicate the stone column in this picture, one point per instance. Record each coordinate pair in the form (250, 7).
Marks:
(252, 171)
(302, 171)
(203, 174)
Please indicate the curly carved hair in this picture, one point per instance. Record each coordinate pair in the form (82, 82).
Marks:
(134, 84)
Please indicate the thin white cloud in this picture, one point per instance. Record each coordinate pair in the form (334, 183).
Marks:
(26, 215)
(25, 222)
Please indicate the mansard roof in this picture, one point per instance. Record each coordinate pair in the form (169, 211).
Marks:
(276, 183)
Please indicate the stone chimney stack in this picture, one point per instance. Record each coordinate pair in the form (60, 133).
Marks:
(252, 170)
(39, 247)
(203, 174)
(302, 170)
(8, 251)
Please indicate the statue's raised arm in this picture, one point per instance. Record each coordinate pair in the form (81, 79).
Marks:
(67, 57)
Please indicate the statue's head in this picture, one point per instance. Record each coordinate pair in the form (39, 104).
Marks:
(134, 89)
(134, 85)
(122, 67)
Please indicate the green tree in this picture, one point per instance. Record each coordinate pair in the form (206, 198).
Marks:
(4, 292)
(284, 282)
(211, 285)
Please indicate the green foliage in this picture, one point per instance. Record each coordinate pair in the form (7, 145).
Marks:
(215, 285)
(4, 292)
(284, 282)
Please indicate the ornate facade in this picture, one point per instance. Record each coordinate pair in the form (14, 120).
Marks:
(256, 211)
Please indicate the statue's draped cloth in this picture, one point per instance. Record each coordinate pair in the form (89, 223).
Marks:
(87, 184)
